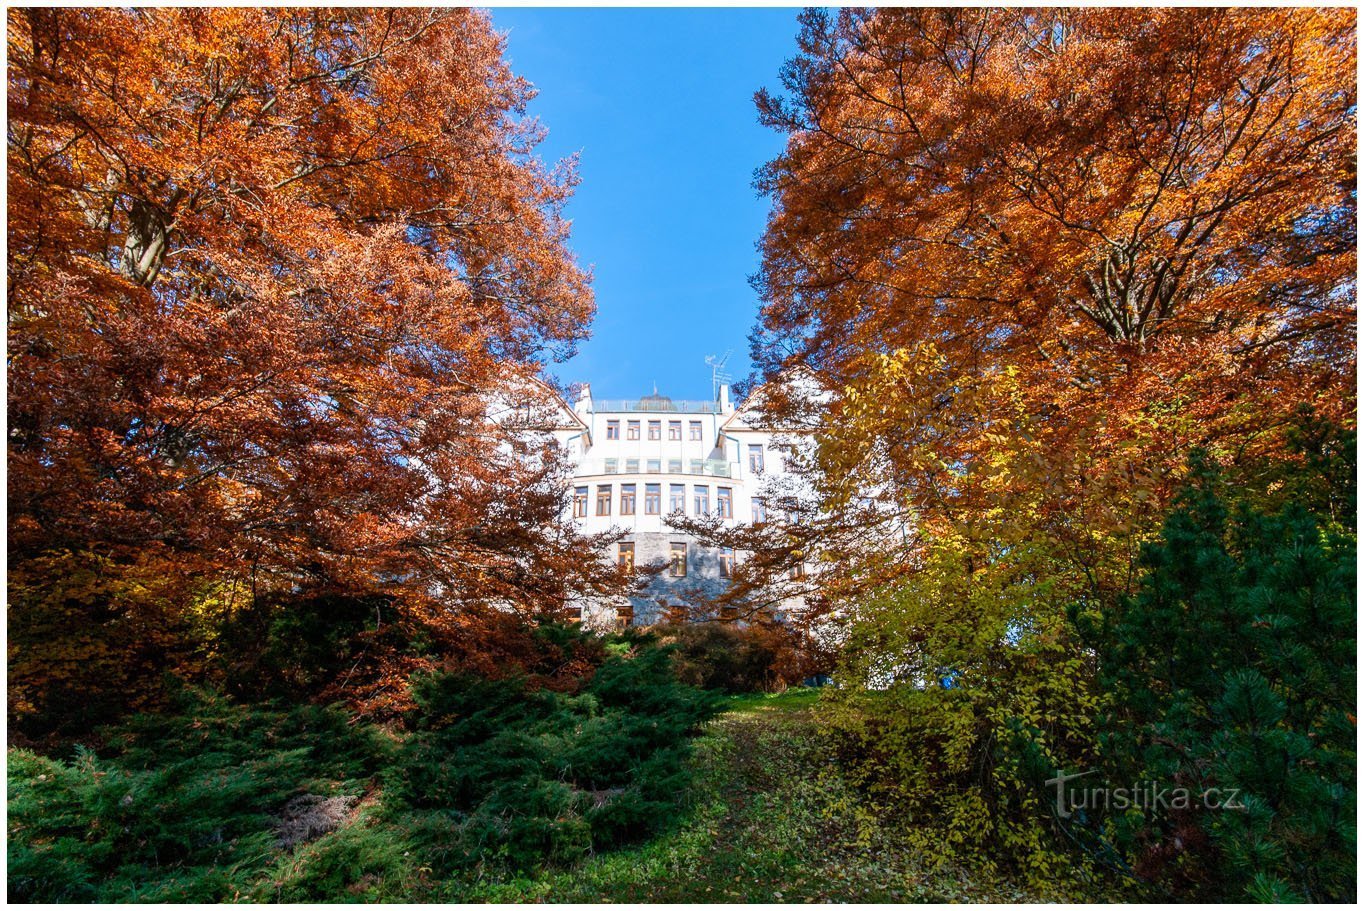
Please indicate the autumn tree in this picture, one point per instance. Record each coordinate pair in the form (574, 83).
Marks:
(269, 271)
(1149, 215)
(1037, 256)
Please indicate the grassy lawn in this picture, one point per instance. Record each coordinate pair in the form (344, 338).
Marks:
(770, 821)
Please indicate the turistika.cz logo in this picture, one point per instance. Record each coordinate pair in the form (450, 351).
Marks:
(1142, 795)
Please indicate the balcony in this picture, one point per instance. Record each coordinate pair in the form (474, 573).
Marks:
(651, 404)
(708, 468)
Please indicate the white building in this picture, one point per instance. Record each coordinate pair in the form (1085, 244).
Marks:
(637, 462)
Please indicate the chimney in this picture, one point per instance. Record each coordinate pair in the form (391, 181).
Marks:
(725, 407)
(583, 405)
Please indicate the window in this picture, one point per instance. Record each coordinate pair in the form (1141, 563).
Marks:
(613, 430)
(677, 566)
(674, 466)
(797, 572)
(632, 430)
(632, 466)
(702, 500)
(785, 453)
(674, 430)
(579, 502)
(724, 503)
(625, 556)
(655, 466)
(652, 494)
(726, 562)
(655, 430)
(609, 467)
(695, 430)
(698, 466)
(627, 500)
(755, 457)
(603, 499)
(625, 615)
(759, 510)
(677, 498)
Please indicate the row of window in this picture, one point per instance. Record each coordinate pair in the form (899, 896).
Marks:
(653, 496)
(677, 562)
(677, 502)
(697, 466)
(655, 466)
(655, 430)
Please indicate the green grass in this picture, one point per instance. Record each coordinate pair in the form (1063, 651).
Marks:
(794, 699)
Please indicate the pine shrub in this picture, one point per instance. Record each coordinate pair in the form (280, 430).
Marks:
(177, 807)
(488, 775)
(1233, 673)
(508, 775)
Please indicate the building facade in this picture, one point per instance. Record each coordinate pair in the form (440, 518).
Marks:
(638, 462)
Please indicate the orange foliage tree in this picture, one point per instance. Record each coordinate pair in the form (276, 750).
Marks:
(268, 270)
(1145, 218)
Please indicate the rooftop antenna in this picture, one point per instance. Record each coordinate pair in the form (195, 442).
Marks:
(718, 376)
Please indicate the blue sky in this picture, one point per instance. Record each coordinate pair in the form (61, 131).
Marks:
(659, 104)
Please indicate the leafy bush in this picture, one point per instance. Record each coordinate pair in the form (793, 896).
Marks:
(91, 638)
(960, 693)
(1234, 669)
(735, 659)
(995, 666)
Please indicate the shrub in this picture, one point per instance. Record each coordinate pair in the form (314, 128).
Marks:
(180, 807)
(368, 860)
(739, 659)
(960, 692)
(288, 646)
(505, 774)
(91, 639)
(203, 803)
(1234, 669)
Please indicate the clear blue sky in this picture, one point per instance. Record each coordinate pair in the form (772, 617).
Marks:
(659, 104)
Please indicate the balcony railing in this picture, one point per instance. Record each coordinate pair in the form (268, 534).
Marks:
(606, 405)
(711, 468)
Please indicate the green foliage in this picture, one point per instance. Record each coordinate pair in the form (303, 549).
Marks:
(294, 646)
(491, 775)
(772, 820)
(179, 807)
(960, 693)
(367, 860)
(731, 659)
(1234, 669)
(545, 777)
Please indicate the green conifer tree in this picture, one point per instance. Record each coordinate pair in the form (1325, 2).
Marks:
(1232, 673)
